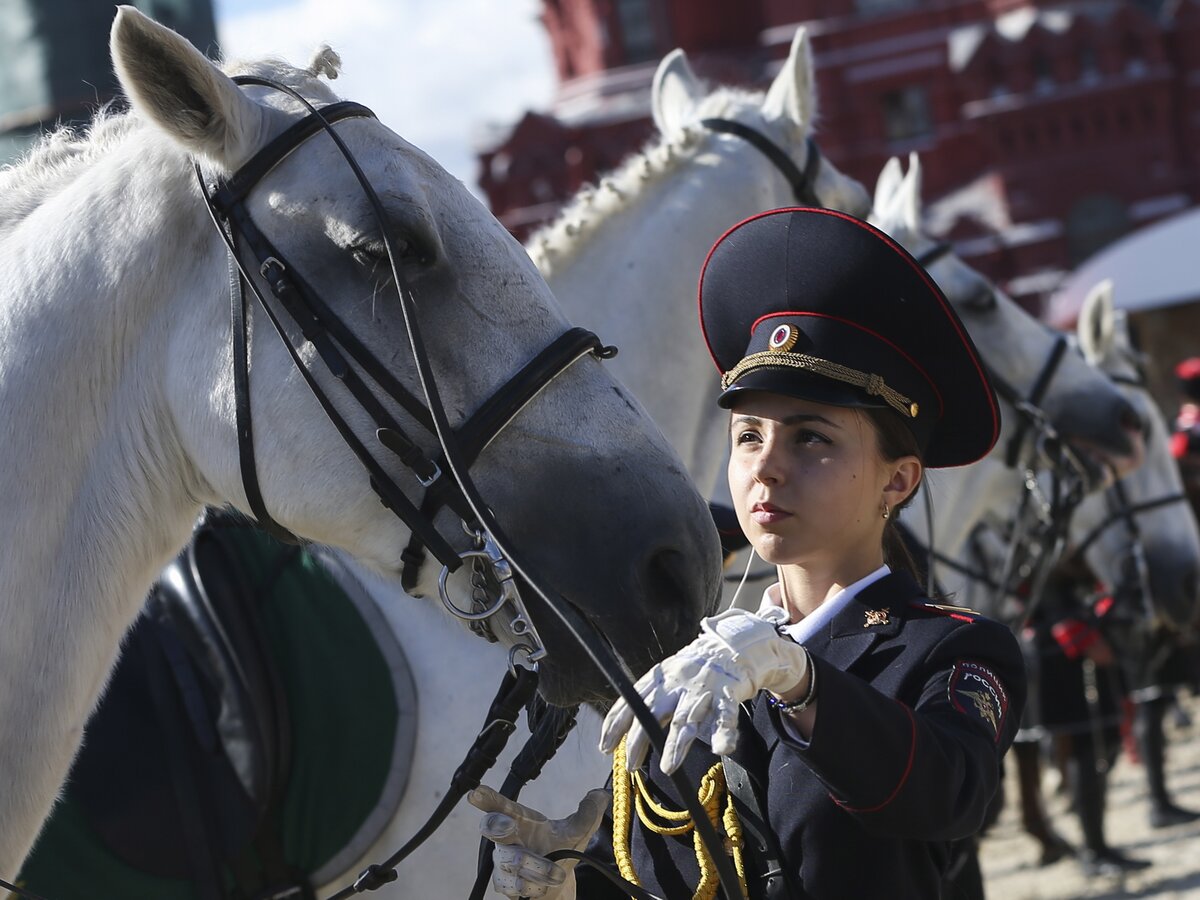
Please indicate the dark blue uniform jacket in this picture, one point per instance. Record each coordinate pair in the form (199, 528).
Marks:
(916, 707)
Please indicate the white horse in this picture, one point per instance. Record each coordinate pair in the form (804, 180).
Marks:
(116, 387)
(1080, 402)
(1148, 508)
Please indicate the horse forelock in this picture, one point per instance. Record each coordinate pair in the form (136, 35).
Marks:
(620, 190)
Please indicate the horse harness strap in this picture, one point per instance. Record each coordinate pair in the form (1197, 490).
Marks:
(492, 417)
(1028, 406)
(1127, 513)
(802, 182)
(767, 877)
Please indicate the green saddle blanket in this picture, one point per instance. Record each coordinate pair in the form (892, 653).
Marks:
(318, 791)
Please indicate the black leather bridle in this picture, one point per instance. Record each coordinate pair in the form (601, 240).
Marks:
(333, 342)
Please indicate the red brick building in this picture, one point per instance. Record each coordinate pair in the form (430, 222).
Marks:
(1045, 130)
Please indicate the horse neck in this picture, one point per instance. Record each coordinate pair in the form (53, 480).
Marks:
(962, 499)
(104, 496)
(631, 277)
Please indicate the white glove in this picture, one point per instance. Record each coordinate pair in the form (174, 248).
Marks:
(736, 655)
(524, 836)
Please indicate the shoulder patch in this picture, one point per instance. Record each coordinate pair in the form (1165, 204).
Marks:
(974, 690)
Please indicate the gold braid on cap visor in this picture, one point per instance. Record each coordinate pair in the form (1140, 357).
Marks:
(872, 384)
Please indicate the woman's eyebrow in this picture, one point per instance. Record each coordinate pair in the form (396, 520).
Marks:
(796, 419)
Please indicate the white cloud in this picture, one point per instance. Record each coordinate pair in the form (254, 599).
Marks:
(434, 72)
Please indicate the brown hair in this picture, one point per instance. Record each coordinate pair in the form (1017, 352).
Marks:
(895, 439)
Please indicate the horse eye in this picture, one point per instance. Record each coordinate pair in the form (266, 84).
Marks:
(373, 252)
(370, 253)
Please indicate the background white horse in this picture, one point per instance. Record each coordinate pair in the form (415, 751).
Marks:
(624, 258)
(1081, 403)
(115, 383)
(1112, 521)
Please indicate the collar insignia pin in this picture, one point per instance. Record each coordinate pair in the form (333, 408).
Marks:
(876, 617)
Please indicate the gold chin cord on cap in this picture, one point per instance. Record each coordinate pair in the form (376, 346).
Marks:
(872, 384)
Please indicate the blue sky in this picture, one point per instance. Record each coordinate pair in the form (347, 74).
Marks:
(435, 71)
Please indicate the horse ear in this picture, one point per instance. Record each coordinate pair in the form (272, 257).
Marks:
(793, 93)
(674, 92)
(1096, 326)
(183, 92)
(886, 186)
(910, 193)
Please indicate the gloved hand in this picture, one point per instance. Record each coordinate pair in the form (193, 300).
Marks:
(736, 655)
(524, 836)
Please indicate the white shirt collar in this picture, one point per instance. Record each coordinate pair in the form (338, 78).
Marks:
(823, 614)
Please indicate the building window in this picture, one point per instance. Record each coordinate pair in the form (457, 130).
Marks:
(1135, 56)
(1088, 72)
(1094, 222)
(906, 114)
(1043, 77)
(880, 7)
(996, 81)
(637, 30)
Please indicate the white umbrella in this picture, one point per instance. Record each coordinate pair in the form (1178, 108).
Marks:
(1157, 266)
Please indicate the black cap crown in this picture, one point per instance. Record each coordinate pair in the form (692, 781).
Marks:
(816, 304)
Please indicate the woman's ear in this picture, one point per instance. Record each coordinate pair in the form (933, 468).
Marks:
(907, 472)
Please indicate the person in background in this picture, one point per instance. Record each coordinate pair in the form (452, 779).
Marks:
(1080, 689)
(1185, 439)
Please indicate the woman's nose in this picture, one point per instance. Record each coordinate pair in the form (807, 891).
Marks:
(767, 468)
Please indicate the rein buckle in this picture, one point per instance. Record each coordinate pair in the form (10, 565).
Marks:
(520, 625)
(269, 263)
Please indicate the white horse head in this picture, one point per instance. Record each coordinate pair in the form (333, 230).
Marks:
(1148, 507)
(1082, 404)
(624, 257)
(115, 379)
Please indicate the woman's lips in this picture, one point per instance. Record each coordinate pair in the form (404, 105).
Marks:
(767, 514)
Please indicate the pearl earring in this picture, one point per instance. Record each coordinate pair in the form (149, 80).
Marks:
(886, 512)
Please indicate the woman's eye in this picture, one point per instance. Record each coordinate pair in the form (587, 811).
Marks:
(745, 437)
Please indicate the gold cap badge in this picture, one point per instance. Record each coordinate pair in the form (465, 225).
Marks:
(783, 338)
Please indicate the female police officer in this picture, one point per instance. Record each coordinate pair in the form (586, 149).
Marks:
(850, 730)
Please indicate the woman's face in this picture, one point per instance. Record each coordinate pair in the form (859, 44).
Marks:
(808, 481)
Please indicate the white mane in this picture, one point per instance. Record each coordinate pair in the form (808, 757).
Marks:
(615, 192)
(62, 155)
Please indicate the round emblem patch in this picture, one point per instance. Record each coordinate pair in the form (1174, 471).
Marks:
(783, 338)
